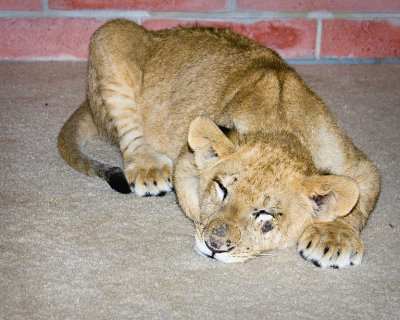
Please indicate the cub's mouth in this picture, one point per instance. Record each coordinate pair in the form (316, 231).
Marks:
(214, 251)
(213, 254)
(208, 251)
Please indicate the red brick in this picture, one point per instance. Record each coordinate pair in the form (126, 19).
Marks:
(291, 38)
(46, 38)
(28, 5)
(158, 24)
(312, 5)
(360, 39)
(152, 5)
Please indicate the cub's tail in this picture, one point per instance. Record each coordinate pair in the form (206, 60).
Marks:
(78, 129)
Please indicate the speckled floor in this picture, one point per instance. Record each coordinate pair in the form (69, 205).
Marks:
(71, 248)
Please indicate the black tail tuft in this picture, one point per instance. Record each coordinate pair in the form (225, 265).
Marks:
(116, 179)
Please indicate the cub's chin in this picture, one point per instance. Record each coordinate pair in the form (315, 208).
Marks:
(202, 249)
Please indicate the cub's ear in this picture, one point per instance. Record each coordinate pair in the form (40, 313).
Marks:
(207, 141)
(331, 196)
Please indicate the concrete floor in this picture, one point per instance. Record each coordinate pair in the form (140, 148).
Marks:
(72, 248)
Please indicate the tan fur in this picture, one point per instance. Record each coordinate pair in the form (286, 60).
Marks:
(283, 174)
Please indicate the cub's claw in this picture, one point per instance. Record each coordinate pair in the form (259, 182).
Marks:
(331, 244)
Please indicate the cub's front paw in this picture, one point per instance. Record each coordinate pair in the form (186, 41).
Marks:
(150, 175)
(331, 244)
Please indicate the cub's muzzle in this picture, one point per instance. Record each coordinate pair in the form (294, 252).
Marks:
(221, 236)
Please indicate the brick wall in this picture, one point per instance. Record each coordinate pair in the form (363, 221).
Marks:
(300, 30)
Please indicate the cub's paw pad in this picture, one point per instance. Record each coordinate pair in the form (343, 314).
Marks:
(331, 244)
(153, 182)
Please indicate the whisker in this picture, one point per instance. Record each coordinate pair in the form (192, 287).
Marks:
(266, 254)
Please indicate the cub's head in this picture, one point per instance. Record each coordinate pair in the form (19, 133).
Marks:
(249, 194)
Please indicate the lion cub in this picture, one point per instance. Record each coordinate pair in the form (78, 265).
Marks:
(260, 162)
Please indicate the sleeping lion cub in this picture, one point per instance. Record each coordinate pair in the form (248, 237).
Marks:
(259, 161)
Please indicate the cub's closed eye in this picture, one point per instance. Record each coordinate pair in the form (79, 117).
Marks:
(259, 213)
(221, 189)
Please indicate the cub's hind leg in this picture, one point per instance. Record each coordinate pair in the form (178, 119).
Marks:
(118, 51)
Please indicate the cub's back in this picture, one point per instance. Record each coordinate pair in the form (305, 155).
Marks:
(190, 72)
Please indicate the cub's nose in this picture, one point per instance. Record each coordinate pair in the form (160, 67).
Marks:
(221, 237)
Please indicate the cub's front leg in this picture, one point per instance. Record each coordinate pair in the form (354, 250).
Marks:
(115, 106)
(148, 172)
(336, 242)
(331, 244)
(116, 53)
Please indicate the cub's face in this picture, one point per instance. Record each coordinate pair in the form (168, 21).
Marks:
(249, 195)
(246, 209)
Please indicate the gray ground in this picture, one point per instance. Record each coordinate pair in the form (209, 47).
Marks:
(70, 247)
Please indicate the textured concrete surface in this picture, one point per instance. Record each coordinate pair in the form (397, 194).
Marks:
(71, 248)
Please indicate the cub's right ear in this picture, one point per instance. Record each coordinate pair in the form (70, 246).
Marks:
(207, 141)
(332, 196)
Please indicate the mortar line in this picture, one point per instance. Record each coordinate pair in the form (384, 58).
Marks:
(223, 16)
(233, 6)
(290, 61)
(318, 39)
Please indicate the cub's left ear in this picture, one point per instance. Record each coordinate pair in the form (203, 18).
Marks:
(207, 141)
(332, 196)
